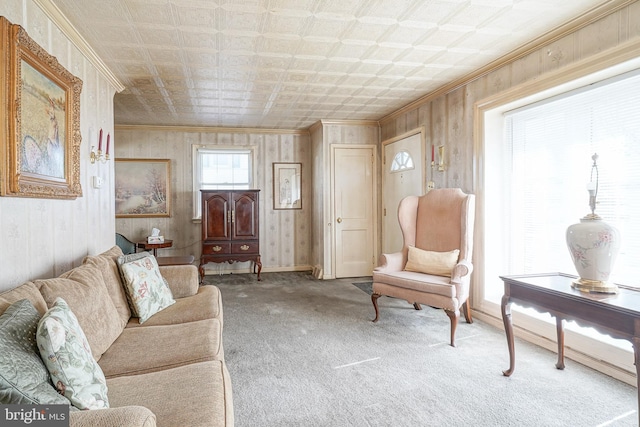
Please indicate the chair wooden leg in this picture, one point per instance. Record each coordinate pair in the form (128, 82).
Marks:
(454, 323)
(374, 300)
(417, 306)
(466, 309)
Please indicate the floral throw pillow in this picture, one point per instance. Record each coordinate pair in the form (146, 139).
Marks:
(66, 354)
(146, 289)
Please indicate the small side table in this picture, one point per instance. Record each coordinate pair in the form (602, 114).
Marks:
(154, 246)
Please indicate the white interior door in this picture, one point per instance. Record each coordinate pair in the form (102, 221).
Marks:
(403, 175)
(354, 213)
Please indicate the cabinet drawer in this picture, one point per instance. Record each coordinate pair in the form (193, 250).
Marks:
(216, 248)
(245, 247)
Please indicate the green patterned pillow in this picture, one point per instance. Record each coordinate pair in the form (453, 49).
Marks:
(23, 377)
(66, 353)
(146, 289)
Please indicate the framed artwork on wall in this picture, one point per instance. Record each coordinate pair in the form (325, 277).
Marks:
(143, 188)
(40, 134)
(287, 192)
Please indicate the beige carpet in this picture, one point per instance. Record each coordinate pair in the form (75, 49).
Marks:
(304, 352)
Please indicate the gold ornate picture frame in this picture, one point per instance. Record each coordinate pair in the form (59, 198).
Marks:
(40, 116)
(143, 188)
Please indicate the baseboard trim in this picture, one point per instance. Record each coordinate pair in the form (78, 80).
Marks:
(215, 271)
(576, 356)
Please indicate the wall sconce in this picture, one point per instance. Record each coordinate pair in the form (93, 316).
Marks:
(440, 167)
(98, 155)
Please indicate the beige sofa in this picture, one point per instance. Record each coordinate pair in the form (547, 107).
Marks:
(168, 371)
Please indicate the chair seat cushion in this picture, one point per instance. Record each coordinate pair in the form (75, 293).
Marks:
(420, 282)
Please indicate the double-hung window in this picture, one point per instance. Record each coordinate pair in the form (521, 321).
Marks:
(220, 168)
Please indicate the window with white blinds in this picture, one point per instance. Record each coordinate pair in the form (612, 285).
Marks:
(551, 143)
(220, 168)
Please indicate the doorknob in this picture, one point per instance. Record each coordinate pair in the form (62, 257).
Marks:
(339, 220)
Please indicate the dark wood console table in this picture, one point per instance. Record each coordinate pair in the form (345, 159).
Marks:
(616, 315)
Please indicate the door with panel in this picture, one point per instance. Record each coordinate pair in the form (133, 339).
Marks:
(403, 175)
(354, 199)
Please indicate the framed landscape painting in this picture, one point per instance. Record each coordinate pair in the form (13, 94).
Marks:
(143, 188)
(40, 139)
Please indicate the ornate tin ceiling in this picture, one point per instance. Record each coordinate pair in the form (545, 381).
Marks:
(288, 63)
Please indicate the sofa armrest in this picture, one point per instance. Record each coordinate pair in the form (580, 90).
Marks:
(183, 280)
(390, 262)
(129, 416)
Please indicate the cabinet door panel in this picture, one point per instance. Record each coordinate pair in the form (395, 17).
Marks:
(245, 218)
(216, 220)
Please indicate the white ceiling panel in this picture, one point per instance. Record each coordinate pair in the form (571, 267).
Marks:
(289, 63)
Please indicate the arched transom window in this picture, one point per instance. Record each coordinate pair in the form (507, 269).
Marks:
(402, 161)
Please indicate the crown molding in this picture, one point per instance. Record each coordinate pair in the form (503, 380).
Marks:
(348, 122)
(57, 17)
(212, 129)
(594, 14)
(314, 127)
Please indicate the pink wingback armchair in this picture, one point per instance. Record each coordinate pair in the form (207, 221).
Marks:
(440, 221)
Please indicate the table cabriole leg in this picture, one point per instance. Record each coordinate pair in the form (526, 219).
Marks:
(560, 333)
(636, 354)
(508, 328)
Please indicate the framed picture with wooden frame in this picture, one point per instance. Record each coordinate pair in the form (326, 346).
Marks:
(143, 188)
(287, 193)
(40, 133)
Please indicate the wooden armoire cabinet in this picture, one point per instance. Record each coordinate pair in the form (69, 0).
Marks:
(230, 227)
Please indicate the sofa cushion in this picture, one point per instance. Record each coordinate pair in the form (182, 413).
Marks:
(28, 291)
(152, 348)
(183, 280)
(146, 289)
(430, 262)
(195, 395)
(106, 263)
(129, 416)
(84, 291)
(206, 304)
(24, 379)
(66, 354)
